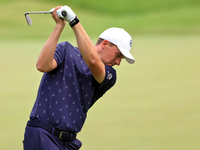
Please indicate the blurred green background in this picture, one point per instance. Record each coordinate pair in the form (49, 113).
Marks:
(155, 102)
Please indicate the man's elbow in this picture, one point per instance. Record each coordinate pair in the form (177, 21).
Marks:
(42, 68)
(46, 67)
(91, 62)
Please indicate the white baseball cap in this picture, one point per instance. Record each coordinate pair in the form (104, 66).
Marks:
(121, 39)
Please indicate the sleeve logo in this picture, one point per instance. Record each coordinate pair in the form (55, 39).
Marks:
(109, 76)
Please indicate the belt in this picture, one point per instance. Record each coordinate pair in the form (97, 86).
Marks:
(66, 136)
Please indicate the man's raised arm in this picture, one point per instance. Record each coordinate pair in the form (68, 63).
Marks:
(86, 47)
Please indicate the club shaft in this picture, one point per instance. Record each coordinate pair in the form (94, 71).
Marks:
(39, 12)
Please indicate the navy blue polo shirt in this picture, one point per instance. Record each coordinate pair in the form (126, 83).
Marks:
(66, 93)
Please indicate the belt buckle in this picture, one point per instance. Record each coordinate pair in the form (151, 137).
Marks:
(60, 135)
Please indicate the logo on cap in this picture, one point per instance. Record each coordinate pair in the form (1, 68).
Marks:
(130, 43)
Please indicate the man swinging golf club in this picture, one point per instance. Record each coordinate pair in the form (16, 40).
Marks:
(74, 79)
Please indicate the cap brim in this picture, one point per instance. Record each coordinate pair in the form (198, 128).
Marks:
(129, 58)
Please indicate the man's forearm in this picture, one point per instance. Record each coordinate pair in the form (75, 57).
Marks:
(45, 61)
(89, 53)
(85, 44)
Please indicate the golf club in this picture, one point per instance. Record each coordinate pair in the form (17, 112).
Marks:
(29, 21)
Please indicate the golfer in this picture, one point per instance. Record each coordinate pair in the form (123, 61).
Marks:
(74, 79)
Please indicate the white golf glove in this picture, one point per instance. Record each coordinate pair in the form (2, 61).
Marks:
(66, 13)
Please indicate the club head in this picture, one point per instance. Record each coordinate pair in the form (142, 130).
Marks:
(28, 19)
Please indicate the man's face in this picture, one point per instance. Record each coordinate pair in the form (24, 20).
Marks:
(110, 55)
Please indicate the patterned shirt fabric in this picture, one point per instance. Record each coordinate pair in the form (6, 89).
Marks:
(66, 93)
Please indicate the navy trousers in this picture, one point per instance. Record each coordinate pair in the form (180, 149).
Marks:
(36, 138)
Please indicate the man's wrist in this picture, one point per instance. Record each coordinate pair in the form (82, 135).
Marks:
(74, 22)
(60, 26)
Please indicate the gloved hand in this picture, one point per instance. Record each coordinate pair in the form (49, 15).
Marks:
(66, 13)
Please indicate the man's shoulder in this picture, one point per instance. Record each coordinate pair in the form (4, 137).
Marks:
(65, 44)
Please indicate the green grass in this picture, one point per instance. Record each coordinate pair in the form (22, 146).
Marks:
(154, 105)
(155, 102)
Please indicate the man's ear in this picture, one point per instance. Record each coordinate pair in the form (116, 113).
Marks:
(105, 43)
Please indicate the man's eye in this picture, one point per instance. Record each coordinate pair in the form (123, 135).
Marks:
(118, 55)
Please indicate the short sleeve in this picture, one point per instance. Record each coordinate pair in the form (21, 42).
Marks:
(108, 82)
(59, 55)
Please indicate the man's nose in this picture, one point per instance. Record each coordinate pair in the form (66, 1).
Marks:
(118, 61)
